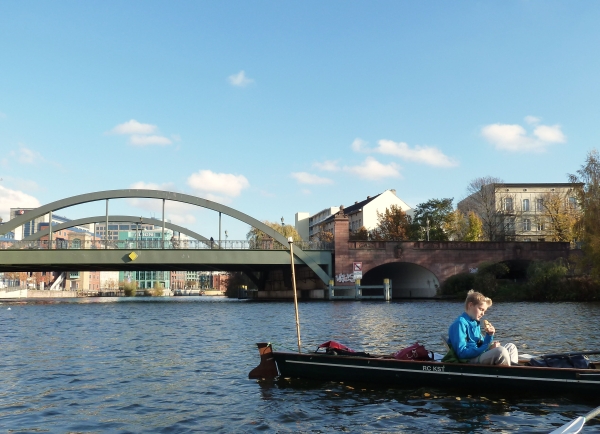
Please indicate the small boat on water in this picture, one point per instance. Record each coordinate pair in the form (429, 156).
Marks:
(408, 373)
(387, 370)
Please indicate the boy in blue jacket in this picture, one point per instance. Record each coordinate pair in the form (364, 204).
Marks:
(465, 337)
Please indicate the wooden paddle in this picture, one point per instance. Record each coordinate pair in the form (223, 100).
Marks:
(576, 425)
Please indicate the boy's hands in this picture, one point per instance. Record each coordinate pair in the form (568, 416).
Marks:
(489, 328)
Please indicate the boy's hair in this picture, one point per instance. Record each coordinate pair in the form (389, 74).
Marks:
(477, 298)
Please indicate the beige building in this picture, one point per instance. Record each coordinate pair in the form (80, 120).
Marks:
(524, 212)
(361, 213)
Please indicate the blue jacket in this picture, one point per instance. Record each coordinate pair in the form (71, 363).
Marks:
(464, 335)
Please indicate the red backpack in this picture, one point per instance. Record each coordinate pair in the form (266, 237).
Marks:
(415, 352)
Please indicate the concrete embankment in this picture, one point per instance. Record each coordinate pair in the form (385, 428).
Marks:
(34, 293)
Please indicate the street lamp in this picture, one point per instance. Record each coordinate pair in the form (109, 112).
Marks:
(282, 224)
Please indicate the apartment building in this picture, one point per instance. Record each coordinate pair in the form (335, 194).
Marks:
(361, 213)
(523, 211)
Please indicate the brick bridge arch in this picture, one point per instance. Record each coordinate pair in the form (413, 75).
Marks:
(440, 259)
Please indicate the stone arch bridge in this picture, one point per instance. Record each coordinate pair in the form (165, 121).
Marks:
(418, 268)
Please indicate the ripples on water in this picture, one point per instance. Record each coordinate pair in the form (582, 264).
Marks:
(181, 365)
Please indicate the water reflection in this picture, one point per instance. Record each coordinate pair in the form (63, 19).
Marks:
(180, 365)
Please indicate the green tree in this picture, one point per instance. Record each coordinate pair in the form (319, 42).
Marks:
(563, 216)
(362, 234)
(546, 280)
(486, 278)
(129, 288)
(392, 225)
(157, 290)
(456, 226)
(474, 228)
(430, 219)
(256, 235)
(587, 185)
(325, 236)
(235, 281)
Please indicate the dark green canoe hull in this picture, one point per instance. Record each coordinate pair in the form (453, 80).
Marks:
(436, 374)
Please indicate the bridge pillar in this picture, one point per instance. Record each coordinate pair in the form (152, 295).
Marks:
(341, 236)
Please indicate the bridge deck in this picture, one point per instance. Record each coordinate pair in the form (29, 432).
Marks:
(151, 259)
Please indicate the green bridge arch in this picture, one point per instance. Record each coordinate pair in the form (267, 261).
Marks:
(164, 195)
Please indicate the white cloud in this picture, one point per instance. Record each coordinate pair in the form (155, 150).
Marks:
(359, 145)
(550, 134)
(240, 79)
(309, 178)
(133, 127)
(23, 155)
(532, 120)
(420, 154)
(26, 156)
(514, 138)
(328, 166)
(167, 186)
(139, 140)
(15, 199)
(181, 219)
(220, 183)
(374, 170)
(177, 212)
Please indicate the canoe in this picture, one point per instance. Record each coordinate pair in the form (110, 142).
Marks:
(389, 371)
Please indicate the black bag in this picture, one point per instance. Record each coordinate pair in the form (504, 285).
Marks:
(562, 361)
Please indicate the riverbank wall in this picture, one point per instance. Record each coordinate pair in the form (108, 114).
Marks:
(34, 293)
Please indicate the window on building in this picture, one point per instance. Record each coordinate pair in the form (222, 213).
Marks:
(539, 205)
(526, 224)
(509, 225)
(527, 240)
(573, 202)
(541, 240)
(508, 204)
(525, 204)
(540, 226)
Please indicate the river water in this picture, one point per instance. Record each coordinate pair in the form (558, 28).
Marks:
(180, 364)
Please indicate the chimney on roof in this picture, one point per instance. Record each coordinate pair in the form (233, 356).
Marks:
(355, 202)
(368, 197)
(393, 190)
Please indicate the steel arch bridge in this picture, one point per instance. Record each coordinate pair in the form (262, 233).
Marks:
(42, 260)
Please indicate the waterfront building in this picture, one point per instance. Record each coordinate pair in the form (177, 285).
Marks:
(109, 280)
(40, 223)
(523, 211)
(134, 234)
(361, 213)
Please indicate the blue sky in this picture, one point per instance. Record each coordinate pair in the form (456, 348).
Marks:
(277, 107)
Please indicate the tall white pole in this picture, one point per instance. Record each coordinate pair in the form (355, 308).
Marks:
(291, 242)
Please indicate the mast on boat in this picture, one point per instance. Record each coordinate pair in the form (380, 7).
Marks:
(291, 242)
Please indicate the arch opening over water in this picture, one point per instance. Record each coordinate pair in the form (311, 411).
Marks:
(408, 280)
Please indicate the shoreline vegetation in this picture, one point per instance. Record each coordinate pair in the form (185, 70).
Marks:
(539, 281)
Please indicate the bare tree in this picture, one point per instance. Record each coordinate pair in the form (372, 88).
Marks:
(486, 199)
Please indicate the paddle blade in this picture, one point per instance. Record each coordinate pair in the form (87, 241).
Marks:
(572, 427)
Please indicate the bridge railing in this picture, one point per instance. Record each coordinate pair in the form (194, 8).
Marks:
(158, 244)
